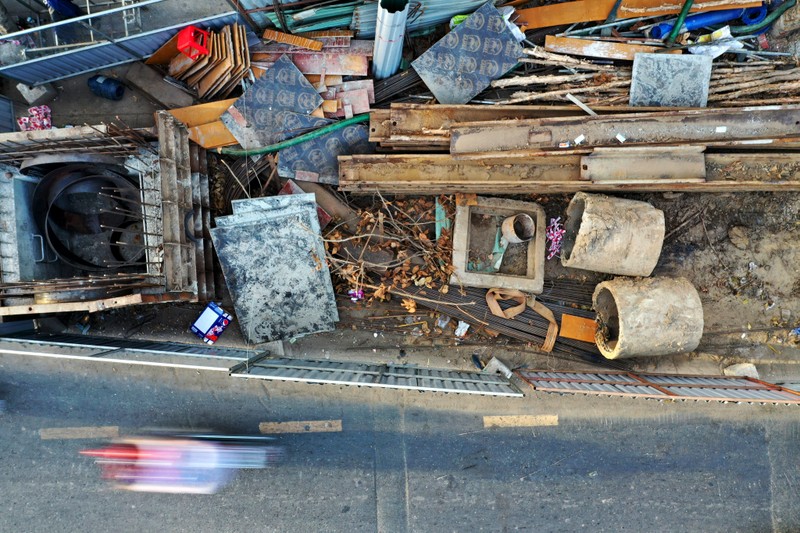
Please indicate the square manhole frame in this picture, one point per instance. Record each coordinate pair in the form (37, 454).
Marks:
(533, 281)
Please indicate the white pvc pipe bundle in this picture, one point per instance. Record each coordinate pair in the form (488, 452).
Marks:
(390, 31)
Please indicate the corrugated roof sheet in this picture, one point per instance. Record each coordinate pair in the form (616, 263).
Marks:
(105, 55)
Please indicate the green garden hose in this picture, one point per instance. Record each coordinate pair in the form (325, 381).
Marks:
(297, 140)
(772, 17)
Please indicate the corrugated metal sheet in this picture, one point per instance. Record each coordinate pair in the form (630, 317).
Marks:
(105, 55)
(662, 386)
(384, 376)
(124, 351)
(8, 121)
(258, 17)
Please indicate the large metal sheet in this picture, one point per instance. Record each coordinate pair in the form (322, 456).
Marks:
(105, 55)
(275, 108)
(661, 386)
(8, 121)
(317, 159)
(381, 376)
(466, 60)
(274, 265)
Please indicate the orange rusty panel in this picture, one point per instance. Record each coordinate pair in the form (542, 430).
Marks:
(603, 49)
(578, 328)
(197, 115)
(319, 63)
(294, 40)
(596, 10)
(212, 135)
(647, 8)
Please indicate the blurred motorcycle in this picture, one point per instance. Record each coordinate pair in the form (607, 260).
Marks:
(182, 463)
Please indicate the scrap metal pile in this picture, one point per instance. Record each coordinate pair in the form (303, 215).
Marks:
(413, 109)
(358, 150)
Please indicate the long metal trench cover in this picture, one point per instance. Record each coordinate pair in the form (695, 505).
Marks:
(123, 351)
(661, 386)
(384, 376)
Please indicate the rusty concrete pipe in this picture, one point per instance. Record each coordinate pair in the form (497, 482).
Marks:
(518, 228)
(640, 317)
(612, 235)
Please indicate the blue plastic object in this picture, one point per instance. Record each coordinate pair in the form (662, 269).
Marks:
(749, 16)
(65, 8)
(106, 87)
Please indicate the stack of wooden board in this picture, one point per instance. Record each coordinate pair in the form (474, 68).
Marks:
(324, 57)
(215, 74)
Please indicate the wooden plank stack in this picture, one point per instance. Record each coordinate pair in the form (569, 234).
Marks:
(218, 73)
(732, 84)
(325, 57)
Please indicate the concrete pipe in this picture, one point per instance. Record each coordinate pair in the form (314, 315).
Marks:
(612, 235)
(647, 317)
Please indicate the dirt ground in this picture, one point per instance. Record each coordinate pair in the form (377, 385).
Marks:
(739, 251)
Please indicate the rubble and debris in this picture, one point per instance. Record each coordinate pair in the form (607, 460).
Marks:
(742, 370)
(286, 113)
(39, 118)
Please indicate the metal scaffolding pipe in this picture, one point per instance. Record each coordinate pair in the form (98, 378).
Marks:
(390, 31)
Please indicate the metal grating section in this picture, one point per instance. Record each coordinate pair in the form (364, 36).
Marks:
(105, 55)
(8, 121)
(661, 386)
(124, 351)
(383, 376)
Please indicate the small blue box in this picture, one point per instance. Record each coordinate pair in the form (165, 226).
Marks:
(211, 323)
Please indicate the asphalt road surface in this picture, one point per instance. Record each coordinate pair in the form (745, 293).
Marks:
(381, 460)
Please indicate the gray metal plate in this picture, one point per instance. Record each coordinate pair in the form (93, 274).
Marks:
(381, 376)
(670, 80)
(277, 275)
(275, 108)
(320, 156)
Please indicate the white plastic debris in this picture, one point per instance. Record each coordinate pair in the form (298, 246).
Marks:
(742, 370)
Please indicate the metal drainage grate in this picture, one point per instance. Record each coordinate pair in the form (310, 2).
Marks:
(385, 376)
(134, 352)
(662, 386)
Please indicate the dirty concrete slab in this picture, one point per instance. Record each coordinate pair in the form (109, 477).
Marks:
(276, 273)
(667, 80)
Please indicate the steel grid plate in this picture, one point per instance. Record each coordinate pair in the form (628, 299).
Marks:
(383, 376)
(661, 386)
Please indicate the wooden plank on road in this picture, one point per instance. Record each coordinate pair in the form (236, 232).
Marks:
(304, 426)
(98, 432)
(511, 421)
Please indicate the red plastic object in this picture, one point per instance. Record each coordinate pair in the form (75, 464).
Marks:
(193, 42)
